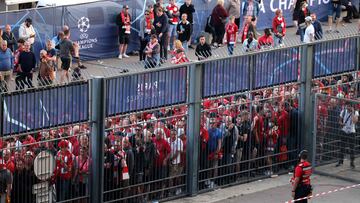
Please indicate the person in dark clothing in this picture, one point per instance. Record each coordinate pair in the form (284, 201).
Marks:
(188, 9)
(27, 63)
(161, 27)
(108, 169)
(184, 31)
(349, 9)
(230, 141)
(218, 20)
(9, 37)
(317, 26)
(297, 9)
(303, 13)
(203, 50)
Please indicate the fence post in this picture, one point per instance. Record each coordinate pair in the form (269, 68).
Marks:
(357, 54)
(97, 102)
(306, 99)
(193, 130)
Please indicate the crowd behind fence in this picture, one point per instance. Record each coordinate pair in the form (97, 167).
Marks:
(250, 118)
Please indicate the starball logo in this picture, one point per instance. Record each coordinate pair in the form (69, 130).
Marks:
(85, 41)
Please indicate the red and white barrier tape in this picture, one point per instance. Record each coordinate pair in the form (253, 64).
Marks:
(324, 193)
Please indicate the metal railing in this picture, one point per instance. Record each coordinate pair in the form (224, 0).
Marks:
(181, 101)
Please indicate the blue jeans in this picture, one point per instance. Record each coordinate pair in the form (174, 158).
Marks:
(302, 33)
(230, 49)
(277, 41)
(185, 46)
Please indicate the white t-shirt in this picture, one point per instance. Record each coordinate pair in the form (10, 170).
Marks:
(309, 31)
(175, 146)
(349, 125)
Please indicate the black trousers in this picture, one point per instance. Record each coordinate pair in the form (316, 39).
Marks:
(163, 46)
(219, 33)
(143, 43)
(347, 145)
(301, 192)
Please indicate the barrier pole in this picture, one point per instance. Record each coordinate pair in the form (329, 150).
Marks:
(306, 98)
(193, 130)
(97, 102)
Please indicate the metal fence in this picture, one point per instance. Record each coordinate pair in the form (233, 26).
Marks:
(173, 131)
(337, 135)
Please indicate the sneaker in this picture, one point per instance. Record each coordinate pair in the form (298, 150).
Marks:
(336, 31)
(120, 56)
(267, 173)
(178, 191)
(126, 56)
(339, 164)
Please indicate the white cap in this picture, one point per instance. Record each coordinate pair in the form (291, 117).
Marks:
(308, 18)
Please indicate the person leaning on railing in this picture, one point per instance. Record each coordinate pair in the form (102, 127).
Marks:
(203, 50)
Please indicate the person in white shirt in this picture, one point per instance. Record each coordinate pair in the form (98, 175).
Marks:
(176, 167)
(309, 31)
(348, 118)
(27, 32)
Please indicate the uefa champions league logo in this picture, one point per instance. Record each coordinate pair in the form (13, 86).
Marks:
(83, 24)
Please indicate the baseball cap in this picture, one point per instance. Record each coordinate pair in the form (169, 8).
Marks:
(126, 6)
(308, 18)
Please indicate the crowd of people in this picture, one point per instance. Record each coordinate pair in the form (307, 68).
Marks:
(228, 25)
(18, 61)
(241, 136)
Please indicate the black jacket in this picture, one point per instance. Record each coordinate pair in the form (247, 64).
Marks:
(11, 41)
(203, 51)
(186, 31)
(163, 24)
(189, 10)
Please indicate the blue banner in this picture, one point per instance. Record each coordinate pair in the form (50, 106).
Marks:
(276, 67)
(334, 57)
(93, 25)
(145, 91)
(44, 108)
(226, 76)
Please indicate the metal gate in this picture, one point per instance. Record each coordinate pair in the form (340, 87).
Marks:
(336, 134)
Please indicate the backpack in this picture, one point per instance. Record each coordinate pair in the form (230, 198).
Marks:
(3, 181)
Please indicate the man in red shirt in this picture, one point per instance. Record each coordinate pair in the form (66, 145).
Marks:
(231, 35)
(63, 171)
(163, 150)
(301, 181)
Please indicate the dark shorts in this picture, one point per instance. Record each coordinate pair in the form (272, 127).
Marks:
(302, 191)
(124, 38)
(65, 63)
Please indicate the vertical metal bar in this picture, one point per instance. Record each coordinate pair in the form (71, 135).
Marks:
(313, 158)
(192, 145)
(306, 103)
(1, 115)
(357, 48)
(97, 88)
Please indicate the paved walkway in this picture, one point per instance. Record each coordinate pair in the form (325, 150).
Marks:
(278, 190)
